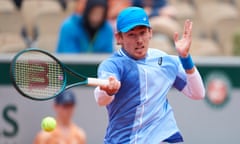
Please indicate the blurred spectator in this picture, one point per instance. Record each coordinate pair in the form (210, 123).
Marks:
(162, 16)
(18, 3)
(115, 6)
(63, 4)
(156, 7)
(87, 32)
(66, 131)
(30, 35)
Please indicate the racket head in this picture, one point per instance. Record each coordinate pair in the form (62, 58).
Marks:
(38, 75)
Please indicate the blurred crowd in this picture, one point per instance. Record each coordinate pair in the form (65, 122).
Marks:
(88, 26)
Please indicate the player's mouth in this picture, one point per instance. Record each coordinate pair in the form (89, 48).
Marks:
(139, 48)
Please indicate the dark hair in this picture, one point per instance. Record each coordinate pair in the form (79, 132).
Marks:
(89, 6)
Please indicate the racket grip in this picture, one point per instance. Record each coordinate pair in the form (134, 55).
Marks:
(97, 82)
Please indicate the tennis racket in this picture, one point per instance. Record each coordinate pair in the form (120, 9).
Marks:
(38, 75)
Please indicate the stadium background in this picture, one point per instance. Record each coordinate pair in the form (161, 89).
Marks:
(216, 47)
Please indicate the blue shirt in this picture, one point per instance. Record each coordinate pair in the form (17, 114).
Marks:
(140, 112)
(74, 39)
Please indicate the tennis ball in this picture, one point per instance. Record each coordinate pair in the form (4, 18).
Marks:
(48, 124)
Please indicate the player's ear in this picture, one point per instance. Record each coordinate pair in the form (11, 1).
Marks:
(118, 37)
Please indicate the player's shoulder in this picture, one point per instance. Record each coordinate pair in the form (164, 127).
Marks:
(116, 57)
(167, 57)
(156, 52)
(117, 61)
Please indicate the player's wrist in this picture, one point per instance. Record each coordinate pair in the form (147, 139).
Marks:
(187, 62)
(110, 93)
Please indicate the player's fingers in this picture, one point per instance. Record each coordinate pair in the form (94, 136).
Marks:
(113, 86)
(112, 81)
(175, 37)
(103, 87)
(190, 29)
(116, 85)
(185, 28)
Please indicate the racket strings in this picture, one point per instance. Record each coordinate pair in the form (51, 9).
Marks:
(55, 76)
(38, 78)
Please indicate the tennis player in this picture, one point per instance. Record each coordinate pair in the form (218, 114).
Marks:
(140, 79)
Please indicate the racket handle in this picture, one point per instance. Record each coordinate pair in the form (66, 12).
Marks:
(97, 82)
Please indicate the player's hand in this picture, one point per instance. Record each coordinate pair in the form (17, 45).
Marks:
(113, 86)
(183, 45)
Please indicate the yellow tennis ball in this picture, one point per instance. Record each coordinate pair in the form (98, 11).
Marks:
(48, 124)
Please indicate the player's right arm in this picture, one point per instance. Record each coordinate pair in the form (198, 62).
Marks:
(104, 95)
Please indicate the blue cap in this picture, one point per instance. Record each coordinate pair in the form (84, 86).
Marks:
(66, 97)
(130, 18)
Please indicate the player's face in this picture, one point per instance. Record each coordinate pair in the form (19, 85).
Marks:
(135, 41)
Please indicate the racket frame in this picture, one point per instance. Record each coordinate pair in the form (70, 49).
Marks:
(86, 80)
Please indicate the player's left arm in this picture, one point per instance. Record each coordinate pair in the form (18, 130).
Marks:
(194, 87)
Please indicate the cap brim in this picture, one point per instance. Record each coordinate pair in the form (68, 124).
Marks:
(128, 28)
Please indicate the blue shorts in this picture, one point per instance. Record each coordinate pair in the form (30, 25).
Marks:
(175, 138)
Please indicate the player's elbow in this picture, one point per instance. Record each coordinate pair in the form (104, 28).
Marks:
(198, 95)
(104, 102)
(102, 98)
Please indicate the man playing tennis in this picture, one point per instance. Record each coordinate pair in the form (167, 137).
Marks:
(140, 79)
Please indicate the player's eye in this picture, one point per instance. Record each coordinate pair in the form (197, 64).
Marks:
(142, 33)
(131, 35)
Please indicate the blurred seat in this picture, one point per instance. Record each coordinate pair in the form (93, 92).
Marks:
(49, 26)
(11, 43)
(10, 26)
(10, 22)
(235, 3)
(71, 6)
(165, 25)
(185, 9)
(212, 12)
(6, 6)
(43, 14)
(204, 47)
(31, 9)
(41, 6)
(162, 42)
(224, 32)
(236, 42)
